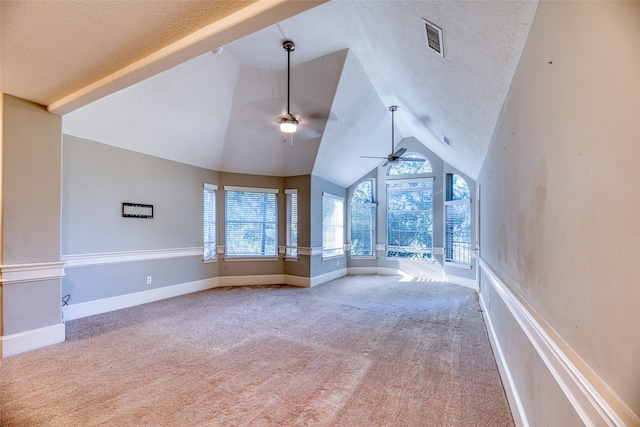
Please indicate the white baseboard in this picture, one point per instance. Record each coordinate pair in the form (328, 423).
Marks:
(90, 308)
(362, 271)
(323, 278)
(517, 410)
(31, 340)
(462, 281)
(587, 398)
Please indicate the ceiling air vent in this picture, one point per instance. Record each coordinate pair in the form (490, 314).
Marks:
(433, 35)
(447, 140)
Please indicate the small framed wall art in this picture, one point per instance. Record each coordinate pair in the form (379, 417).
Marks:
(136, 210)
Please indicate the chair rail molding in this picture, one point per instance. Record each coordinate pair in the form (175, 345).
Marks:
(586, 396)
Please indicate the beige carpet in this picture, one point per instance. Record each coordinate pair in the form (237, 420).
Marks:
(358, 351)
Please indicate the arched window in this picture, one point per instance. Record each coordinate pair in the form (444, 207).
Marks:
(458, 220)
(411, 164)
(363, 219)
(410, 208)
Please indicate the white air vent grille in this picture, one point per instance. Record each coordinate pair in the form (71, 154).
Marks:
(433, 37)
(447, 141)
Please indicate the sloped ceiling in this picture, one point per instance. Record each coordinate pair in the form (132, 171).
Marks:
(352, 60)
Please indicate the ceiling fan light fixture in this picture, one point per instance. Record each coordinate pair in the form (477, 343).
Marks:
(288, 123)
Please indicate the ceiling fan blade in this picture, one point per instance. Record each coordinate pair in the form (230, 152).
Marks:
(372, 157)
(308, 132)
(400, 152)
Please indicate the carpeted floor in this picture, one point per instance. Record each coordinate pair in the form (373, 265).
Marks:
(357, 351)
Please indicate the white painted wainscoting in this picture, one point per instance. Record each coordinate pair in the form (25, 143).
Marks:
(579, 388)
(19, 275)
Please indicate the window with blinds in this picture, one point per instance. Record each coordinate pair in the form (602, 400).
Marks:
(292, 223)
(410, 218)
(457, 220)
(332, 225)
(209, 221)
(251, 222)
(363, 220)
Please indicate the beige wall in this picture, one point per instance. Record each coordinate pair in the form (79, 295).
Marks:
(559, 199)
(30, 211)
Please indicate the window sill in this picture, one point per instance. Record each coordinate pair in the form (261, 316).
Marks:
(290, 258)
(458, 265)
(209, 260)
(363, 257)
(252, 259)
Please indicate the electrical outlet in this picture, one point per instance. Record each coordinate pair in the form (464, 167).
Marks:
(148, 280)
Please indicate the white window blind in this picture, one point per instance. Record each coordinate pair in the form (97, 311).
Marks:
(251, 222)
(332, 225)
(209, 221)
(292, 223)
(363, 219)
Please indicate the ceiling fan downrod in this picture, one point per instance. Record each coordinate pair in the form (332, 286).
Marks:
(393, 109)
(289, 122)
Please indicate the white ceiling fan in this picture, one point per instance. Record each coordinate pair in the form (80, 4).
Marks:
(307, 123)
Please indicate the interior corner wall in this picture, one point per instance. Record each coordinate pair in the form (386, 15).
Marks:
(30, 266)
(558, 215)
(301, 267)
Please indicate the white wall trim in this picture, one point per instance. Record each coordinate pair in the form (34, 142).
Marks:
(323, 278)
(588, 402)
(86, 260)
(302, 282)
(310, 251)
(18, 273)
(90, 308)
(515, 403)
(462, 281)
(31, 340)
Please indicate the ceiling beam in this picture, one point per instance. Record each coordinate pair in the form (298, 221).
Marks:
(248, 20)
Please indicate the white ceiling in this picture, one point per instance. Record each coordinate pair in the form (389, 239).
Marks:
(352, 60)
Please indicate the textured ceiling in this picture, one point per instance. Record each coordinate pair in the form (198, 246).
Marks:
(352, 60)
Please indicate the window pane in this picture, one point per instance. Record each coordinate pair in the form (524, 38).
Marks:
(458, 233)
(410, 219)
(411, 163)
(209, 223)
(362, 230)
(363, 219)
(251, 223)
(459, 188)
(363, 192)
(332, 225)
(292, 225)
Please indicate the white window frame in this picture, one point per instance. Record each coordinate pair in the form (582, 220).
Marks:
(332, 232)
(372, 207)
(209, 222)
(273, 254)
(291, 249)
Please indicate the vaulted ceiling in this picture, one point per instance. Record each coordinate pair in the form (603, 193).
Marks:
(142, 76)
